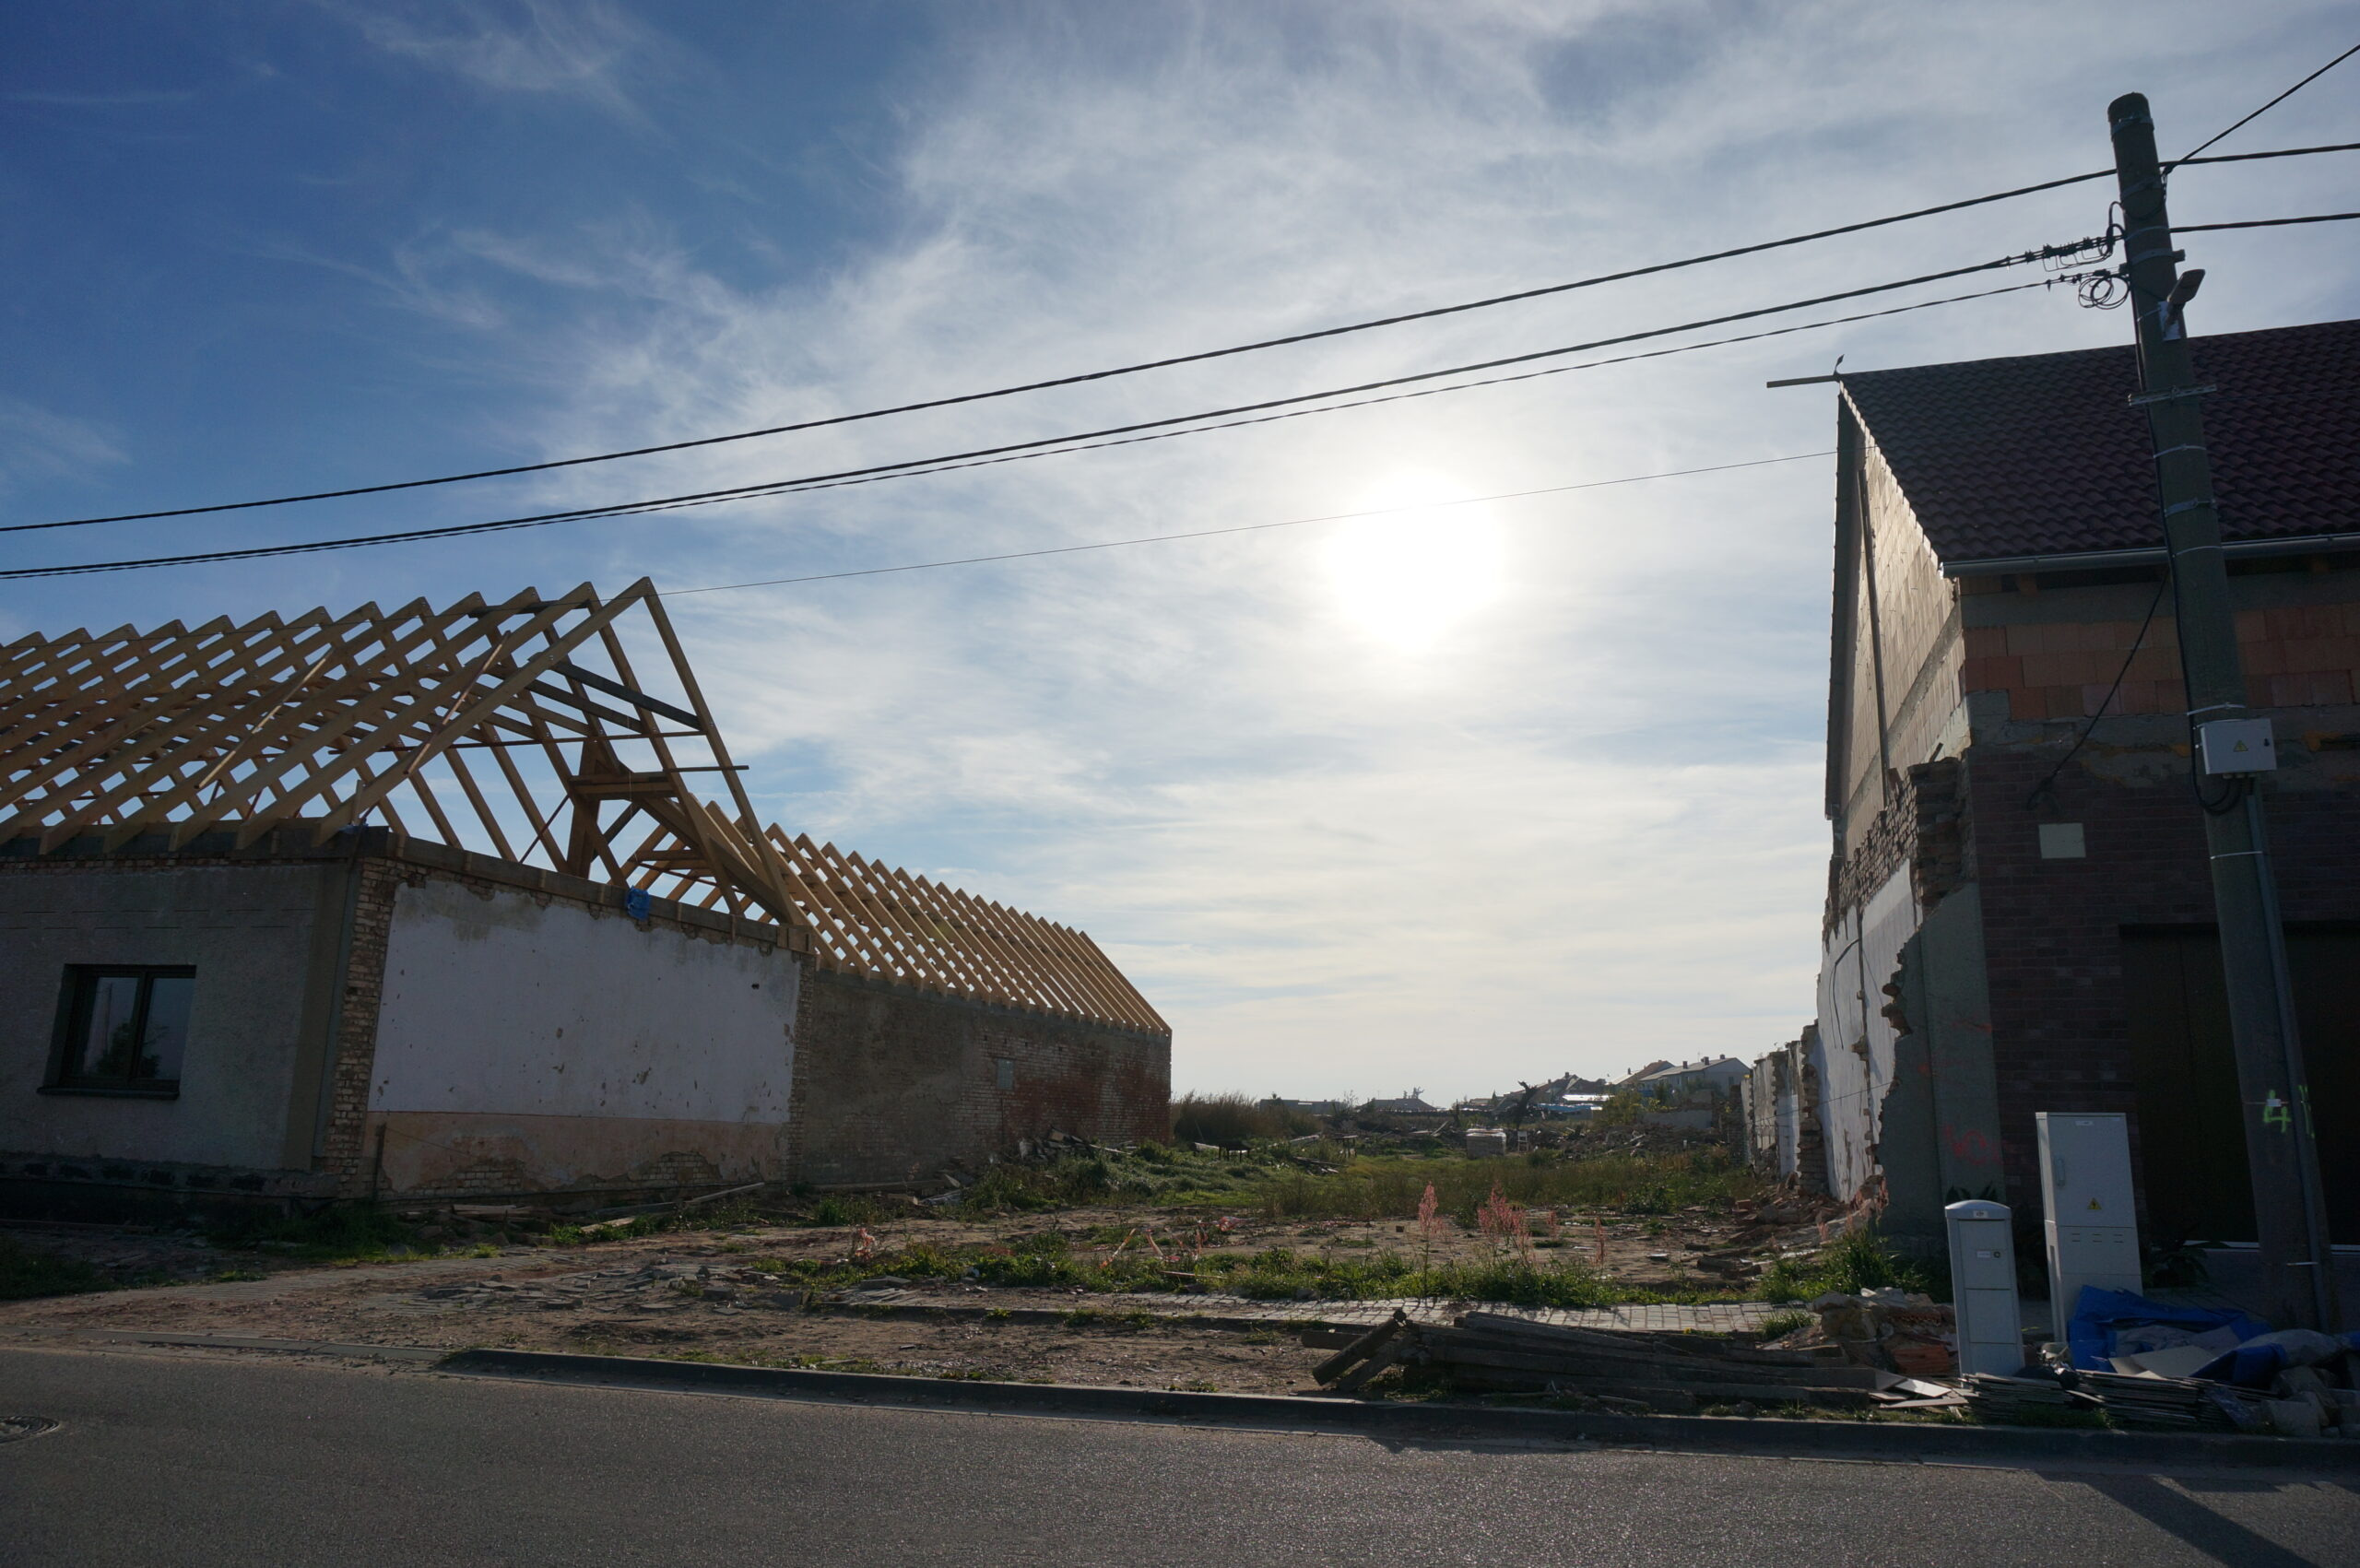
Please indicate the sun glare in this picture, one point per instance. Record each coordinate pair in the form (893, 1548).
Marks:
(1409, 577)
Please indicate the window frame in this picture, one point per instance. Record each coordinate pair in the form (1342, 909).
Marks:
(77, 996)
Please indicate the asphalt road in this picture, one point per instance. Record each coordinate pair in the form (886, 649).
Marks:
(166, 1461)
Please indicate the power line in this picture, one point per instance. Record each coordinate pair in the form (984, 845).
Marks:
(817, 481)
(1240, 528)
(2273, 104)
(987, 457)
(2263, 223)
(1151, 364)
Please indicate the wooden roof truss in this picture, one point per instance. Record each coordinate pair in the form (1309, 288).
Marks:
(520, 729)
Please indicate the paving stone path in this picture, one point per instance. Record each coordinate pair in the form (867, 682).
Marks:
(1717, 1317)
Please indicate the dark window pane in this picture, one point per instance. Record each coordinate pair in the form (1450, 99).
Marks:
(167, 1005)
(108, 1044)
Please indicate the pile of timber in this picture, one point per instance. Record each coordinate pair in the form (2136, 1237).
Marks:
(1662, 1371)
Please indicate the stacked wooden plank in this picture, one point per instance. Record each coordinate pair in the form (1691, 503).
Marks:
(2144, 1400)
(1664, 1372)
(2013, 1400)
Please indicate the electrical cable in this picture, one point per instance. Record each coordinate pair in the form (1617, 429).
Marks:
(2162, 585)
(2263, 223)
(1239, 528)
(2273, 104)
(987, 457)
(1158, 364)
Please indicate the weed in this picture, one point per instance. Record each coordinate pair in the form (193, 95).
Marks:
(484, 1249)
(1265, 1336)
(25, 1274)
(1778, 1324)
(234, 1276)
(837, 1211)
(346, 1233)
(1233, 1119)
(1857, 1260)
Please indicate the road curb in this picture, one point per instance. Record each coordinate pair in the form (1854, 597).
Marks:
(2016, 1448)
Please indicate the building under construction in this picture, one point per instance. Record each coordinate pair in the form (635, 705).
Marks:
(465, 902)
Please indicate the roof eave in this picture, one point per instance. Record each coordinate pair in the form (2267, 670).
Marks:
(2150, 555)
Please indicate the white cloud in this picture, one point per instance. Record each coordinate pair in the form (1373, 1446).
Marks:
(36, 443)
(563, 48)
(1573, 821)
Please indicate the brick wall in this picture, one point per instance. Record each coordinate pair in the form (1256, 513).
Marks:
(895, 1085)
(2052, 928)
(2295, 656)
(1925, 825)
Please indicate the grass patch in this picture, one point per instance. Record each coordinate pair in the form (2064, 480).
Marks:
(1234, 1119)
(1778, 1324)
(26, 1274)
(1328, 1181)
(346, 1234)
(1855, 1261)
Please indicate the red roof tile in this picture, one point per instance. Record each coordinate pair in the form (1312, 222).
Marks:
(2041, 455)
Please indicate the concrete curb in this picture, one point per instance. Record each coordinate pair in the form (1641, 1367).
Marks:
(2017, 1448)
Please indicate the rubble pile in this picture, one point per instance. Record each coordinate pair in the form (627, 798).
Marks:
(1668, 1373)
(2293, 1383)
(1893, 1329)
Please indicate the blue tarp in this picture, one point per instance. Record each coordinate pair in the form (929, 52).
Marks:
(2257, 1361)
(2100, 1315)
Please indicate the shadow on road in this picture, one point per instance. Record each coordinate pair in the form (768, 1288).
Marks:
(2214, 1534)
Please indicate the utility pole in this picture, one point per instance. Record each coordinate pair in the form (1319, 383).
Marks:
(2231, 747)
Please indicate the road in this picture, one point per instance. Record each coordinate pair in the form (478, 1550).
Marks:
(166, 1460)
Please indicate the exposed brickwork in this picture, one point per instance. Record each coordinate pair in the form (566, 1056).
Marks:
(1924, 826)
(894, 1085)
(2053, 928)
(891, 1084)
(2295, 656)
(345, 1154)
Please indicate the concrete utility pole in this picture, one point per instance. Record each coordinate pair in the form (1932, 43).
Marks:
(2290, 1211)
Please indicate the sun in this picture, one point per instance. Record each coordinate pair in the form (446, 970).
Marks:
(1408, 578)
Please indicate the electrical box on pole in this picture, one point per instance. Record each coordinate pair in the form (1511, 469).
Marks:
(1982, 1288)
(2086, 1198)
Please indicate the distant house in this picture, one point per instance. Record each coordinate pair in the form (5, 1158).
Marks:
(1632, 1080)
(427, 903)
(1684, 1081)
(1410, 1104)
(2019, 914)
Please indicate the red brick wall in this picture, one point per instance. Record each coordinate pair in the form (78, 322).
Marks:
(2052, 928)
(2300, 655)
(894, 1085)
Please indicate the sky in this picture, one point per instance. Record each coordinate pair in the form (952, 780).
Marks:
(1469, 792)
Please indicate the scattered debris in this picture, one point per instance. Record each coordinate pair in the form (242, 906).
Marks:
(1659, 1372)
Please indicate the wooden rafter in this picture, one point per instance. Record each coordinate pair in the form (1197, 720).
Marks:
(316, 722)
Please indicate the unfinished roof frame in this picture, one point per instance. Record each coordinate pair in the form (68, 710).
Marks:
(320, 723)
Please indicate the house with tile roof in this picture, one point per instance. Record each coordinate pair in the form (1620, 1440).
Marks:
(2019, 912)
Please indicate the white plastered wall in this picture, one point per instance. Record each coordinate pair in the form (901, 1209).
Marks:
(524, 1046)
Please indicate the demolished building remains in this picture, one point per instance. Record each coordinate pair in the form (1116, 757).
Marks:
(453, 902)
(2019, 914)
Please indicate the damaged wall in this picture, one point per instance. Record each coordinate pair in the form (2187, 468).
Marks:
(894, 1084)
(525, 1043)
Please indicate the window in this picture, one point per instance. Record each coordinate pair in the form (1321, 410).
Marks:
(122, 1030)
(1004, 1071)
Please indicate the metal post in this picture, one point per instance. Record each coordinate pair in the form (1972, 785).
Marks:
(2290, 1215)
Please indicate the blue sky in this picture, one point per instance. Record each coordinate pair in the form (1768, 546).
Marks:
(1445, 800)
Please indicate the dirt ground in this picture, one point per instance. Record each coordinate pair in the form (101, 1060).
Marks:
(677, 1296)
(696, 1293)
